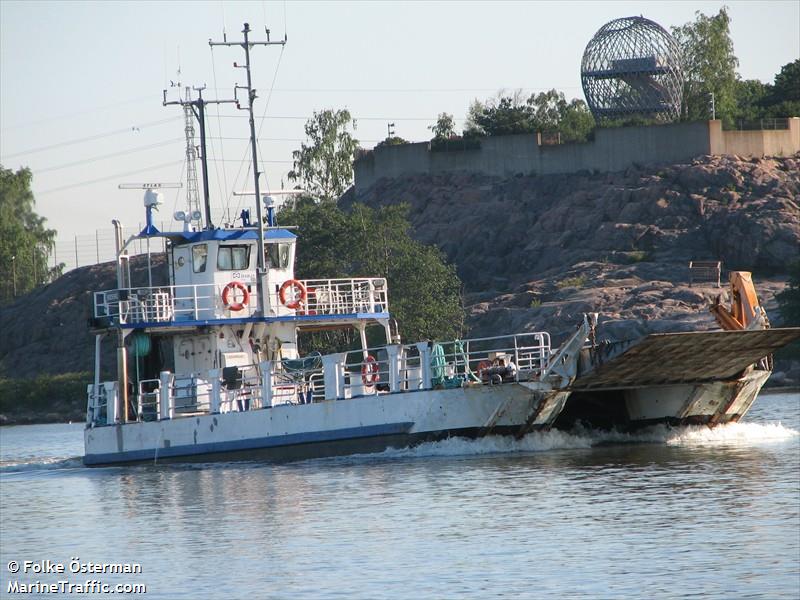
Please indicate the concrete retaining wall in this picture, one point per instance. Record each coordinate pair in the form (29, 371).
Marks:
(612, 150)
(761, 142)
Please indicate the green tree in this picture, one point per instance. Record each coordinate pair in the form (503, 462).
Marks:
(424, 291)
(323, 251)
(750, 95)
(709, 66)
(25, 242)
(787, 83)
(324, 165)
(444, 128)
(471, 127)
(783, 99)
(546, 112)
(553, 114)
(392, 141)
(506, 117)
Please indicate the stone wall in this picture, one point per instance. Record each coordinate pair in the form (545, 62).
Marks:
(612, 150)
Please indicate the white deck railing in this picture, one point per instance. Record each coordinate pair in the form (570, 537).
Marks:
(388, 369)
(343, 296)
(176, 303)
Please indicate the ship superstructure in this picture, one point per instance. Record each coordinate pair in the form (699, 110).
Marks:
(208, 363)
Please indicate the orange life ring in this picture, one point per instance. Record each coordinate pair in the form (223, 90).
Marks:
(369, 370)
(299, 293)
(226, 296)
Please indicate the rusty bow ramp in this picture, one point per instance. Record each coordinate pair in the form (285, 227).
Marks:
(670, 358)
(704, 377)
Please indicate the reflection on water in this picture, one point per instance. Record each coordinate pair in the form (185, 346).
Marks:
(664, 513)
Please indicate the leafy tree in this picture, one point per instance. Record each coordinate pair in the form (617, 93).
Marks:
(506, 117)
(553, 114)
(392, 141)
(783, 99)
(787, 83)
(709, 66)
(471, 127)
(546, 112)
(25, 243)
(424, 292)
(750, 95)
(324, 166)
(444, 128)
(323, 251)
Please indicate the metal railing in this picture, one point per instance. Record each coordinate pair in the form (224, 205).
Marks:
(705, 271)
(766, 124)
(93, 249)
(382, 370)
(341, 296)
(164, 304)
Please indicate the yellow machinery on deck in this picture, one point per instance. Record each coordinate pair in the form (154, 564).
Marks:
(745, 311)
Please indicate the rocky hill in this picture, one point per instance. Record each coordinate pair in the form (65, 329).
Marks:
(47, 330)
(533, 252)
(536, 252)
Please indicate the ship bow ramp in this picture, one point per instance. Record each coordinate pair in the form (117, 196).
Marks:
(706, 377)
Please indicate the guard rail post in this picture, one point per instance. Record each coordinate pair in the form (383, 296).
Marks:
(165, 408)
(266, 383)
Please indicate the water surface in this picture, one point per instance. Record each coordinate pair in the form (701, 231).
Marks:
(686, 512)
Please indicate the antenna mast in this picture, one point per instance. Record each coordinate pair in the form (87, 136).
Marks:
(192, 196)
(198, 109)
(251, 96)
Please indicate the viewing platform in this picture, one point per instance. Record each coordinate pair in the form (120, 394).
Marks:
(311, 300)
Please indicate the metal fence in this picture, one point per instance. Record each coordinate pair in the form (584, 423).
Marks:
(759, 124)
(98, 247)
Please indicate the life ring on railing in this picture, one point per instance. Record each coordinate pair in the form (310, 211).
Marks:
(299, 293)
(229, 290)
(369, 370)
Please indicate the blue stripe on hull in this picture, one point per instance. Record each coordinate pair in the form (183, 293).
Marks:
(274, 441)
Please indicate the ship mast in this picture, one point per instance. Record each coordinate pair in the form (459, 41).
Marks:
(251, 96)
(198, 108)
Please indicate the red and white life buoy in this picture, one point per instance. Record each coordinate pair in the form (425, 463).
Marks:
(298, 292)
(369, 371)
(483, 366)
(229, 298)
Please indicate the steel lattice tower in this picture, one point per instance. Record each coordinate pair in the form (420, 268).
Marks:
(632, 67)
(192, 190)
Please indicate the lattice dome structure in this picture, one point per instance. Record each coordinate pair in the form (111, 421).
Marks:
(632, 67)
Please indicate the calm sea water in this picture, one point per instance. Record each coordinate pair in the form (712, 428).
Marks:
(684, 512)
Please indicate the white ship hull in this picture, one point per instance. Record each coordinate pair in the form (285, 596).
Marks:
(358, 425)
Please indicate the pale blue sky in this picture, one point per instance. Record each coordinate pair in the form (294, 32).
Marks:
(94, 71)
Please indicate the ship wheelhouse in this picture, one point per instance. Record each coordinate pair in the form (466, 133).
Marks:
(219, 322)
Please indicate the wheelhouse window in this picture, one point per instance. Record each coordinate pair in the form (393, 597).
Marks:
(199, 257)
(233, 258)
(277, 256)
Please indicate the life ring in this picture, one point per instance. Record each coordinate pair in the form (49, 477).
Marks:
(226, 296)
(299, 293)
(369, 370)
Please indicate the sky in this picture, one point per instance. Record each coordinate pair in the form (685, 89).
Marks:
(81, 82)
